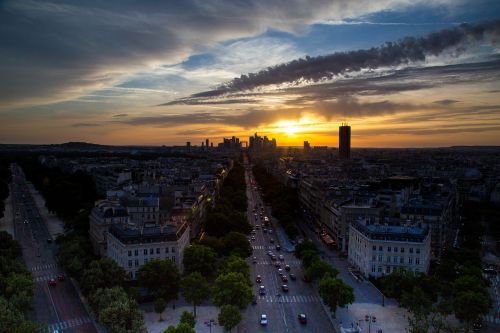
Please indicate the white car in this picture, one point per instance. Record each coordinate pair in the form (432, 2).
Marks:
(263, 319)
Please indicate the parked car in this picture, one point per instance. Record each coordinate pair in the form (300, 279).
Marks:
(302, 319)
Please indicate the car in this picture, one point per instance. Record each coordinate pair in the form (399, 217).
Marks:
(293, 277)
(264, 230)
(284, 278)
(49, 240)
(280, 271)
(302, 318)
(273, 257)
(270, 231)
(281, 257)
(252, 238)
(254, 260)
(257, 227)
(52, 282)
(263, 319)
(287, 268)
(277, 264)
(270, 253)
(258, 279)
(284, 288)
(271, 241)
(262, 290)
(278, 247)
(60, 277)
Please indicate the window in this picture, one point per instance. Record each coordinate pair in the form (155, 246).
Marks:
(417, 250)
(388, 249)
(388, 258)
(173, 258)
(410, 260)
(395, 249)
(136, 252)
(129, 253)
(136, 262)
(146, 260)
(402, 260)
(374, 257)
(380, 248)
(380, 269)
(417, 261)
(374, 247)
(173, 249)
(395, 260)
(411, 250)
(145, 251)
(402, 250)
(388, 269)
(157, 250)
(151, 251)
(379, 257)
(373, 269)
(166, 249)
(130, 263)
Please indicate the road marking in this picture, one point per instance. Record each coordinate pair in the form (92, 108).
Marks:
(61, 325)
(43, 267)
(291, 299)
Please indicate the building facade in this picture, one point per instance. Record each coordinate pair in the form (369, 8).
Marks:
(376, 250)
(345, 141)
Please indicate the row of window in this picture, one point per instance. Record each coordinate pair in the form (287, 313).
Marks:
(389, 269)
(395, 259)
(136, 261)
(151, 251)
(395, 249)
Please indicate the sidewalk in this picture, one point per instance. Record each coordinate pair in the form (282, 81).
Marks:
(172, 317)
(7, 221)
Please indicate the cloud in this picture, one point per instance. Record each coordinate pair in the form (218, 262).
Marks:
(391, 54)
(58, 50)
(120, 115)
(85, 125)
(446, 102)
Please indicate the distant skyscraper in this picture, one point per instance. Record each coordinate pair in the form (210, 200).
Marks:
(345, 141)
(206, 143)
(307, 146)
(188, 145)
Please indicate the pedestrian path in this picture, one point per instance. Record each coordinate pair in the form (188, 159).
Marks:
(290, 299)
(61, 325)
(43, 267)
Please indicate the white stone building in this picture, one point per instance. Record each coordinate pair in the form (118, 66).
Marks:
(376, 249)
(132, 247)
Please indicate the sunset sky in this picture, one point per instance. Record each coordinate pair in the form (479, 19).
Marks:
(166, 72)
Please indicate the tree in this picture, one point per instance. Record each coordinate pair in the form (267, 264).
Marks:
(12, 320)
(420, 307)
(18, 288)
(103, 273)
(188, 318)
(469, 306)
(335, 293)
(195, 289)
(160, 277)
(9, 247)
(232, 289)
(319, 268)
(116, 310)
(181, 328)
(308, 257)
(236, 264)
(160, 306)
(229, 316)
(235, 243)
(199, 258)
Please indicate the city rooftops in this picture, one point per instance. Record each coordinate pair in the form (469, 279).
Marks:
(407, 233)
(147, 234)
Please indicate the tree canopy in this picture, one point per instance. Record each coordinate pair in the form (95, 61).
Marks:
(103, 273)
(232, 289)
(195, 289)
(160, 277)
(335, 293)
(229, 316)
(199, 258)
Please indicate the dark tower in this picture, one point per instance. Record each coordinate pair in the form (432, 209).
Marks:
(345, 141)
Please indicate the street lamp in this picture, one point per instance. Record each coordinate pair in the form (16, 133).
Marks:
(210, 323)
(369, 319)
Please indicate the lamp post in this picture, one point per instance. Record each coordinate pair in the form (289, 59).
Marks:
(210, 323)
(369, 319)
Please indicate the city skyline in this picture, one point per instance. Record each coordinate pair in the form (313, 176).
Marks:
(402, 74)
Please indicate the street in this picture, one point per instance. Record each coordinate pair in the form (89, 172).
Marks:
(58, 306)
(282, 308)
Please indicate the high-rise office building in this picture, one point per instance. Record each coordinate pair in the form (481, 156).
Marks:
(345, 141)
(206, 143)
(307, 146)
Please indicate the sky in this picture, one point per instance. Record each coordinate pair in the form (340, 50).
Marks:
(402, 73)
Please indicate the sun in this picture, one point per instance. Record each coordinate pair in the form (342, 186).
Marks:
(288, 127)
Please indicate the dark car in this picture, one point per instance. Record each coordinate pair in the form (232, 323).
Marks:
(262, 290)
(258, 279)
(60, 277)
(52, 282)
(284, 288)
(302, 319)
(284, 278)
(271, 241)
(278, 247)
(287, 268)
(293, 277)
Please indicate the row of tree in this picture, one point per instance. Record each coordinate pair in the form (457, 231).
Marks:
(4, 183)
(283, 200)
(16, 289)
(229, 213)
(334, 292)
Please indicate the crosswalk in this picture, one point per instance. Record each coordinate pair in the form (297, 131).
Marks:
(287, 262)
(43, 267)
(69, 323)
(259, 247)
(290, 299)
(44, 278)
